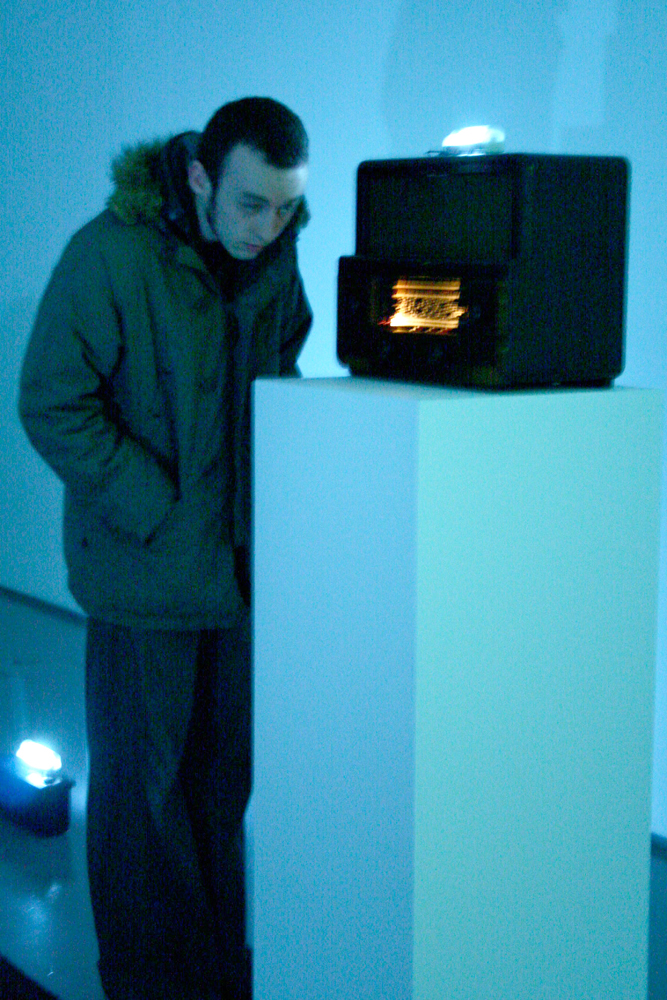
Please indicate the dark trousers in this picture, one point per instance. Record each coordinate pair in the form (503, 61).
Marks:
(168, 717)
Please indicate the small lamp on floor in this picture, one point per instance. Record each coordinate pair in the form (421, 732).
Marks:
(34, 792)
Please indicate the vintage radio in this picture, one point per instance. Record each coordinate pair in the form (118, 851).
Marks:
(496, 270)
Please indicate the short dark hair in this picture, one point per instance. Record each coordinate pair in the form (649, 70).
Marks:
(259, 122)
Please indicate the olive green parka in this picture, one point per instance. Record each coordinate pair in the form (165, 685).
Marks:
(135, 390)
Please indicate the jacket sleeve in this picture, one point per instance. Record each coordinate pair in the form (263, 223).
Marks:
(66, 405)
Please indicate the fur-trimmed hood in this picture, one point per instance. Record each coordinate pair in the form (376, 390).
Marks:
(138, 194)
(151, 187)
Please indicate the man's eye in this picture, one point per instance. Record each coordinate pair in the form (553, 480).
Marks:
(251, 207)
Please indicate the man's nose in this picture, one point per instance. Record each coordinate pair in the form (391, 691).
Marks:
(270, 226)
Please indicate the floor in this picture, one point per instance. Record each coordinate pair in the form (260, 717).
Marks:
(46, 927)
(46, 924)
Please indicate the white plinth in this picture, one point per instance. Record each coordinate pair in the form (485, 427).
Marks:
(455, 600)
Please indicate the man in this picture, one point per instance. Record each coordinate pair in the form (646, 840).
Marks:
(135, 389)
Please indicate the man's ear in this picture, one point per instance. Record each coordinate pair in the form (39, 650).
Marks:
(198, 179)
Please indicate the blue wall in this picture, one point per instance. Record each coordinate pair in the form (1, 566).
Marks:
(370, 79)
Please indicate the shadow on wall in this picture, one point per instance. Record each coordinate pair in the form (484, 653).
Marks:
(567, 76)
(635, 126)
(460, 63)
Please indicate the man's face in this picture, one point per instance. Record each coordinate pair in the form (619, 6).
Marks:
(253, 203)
